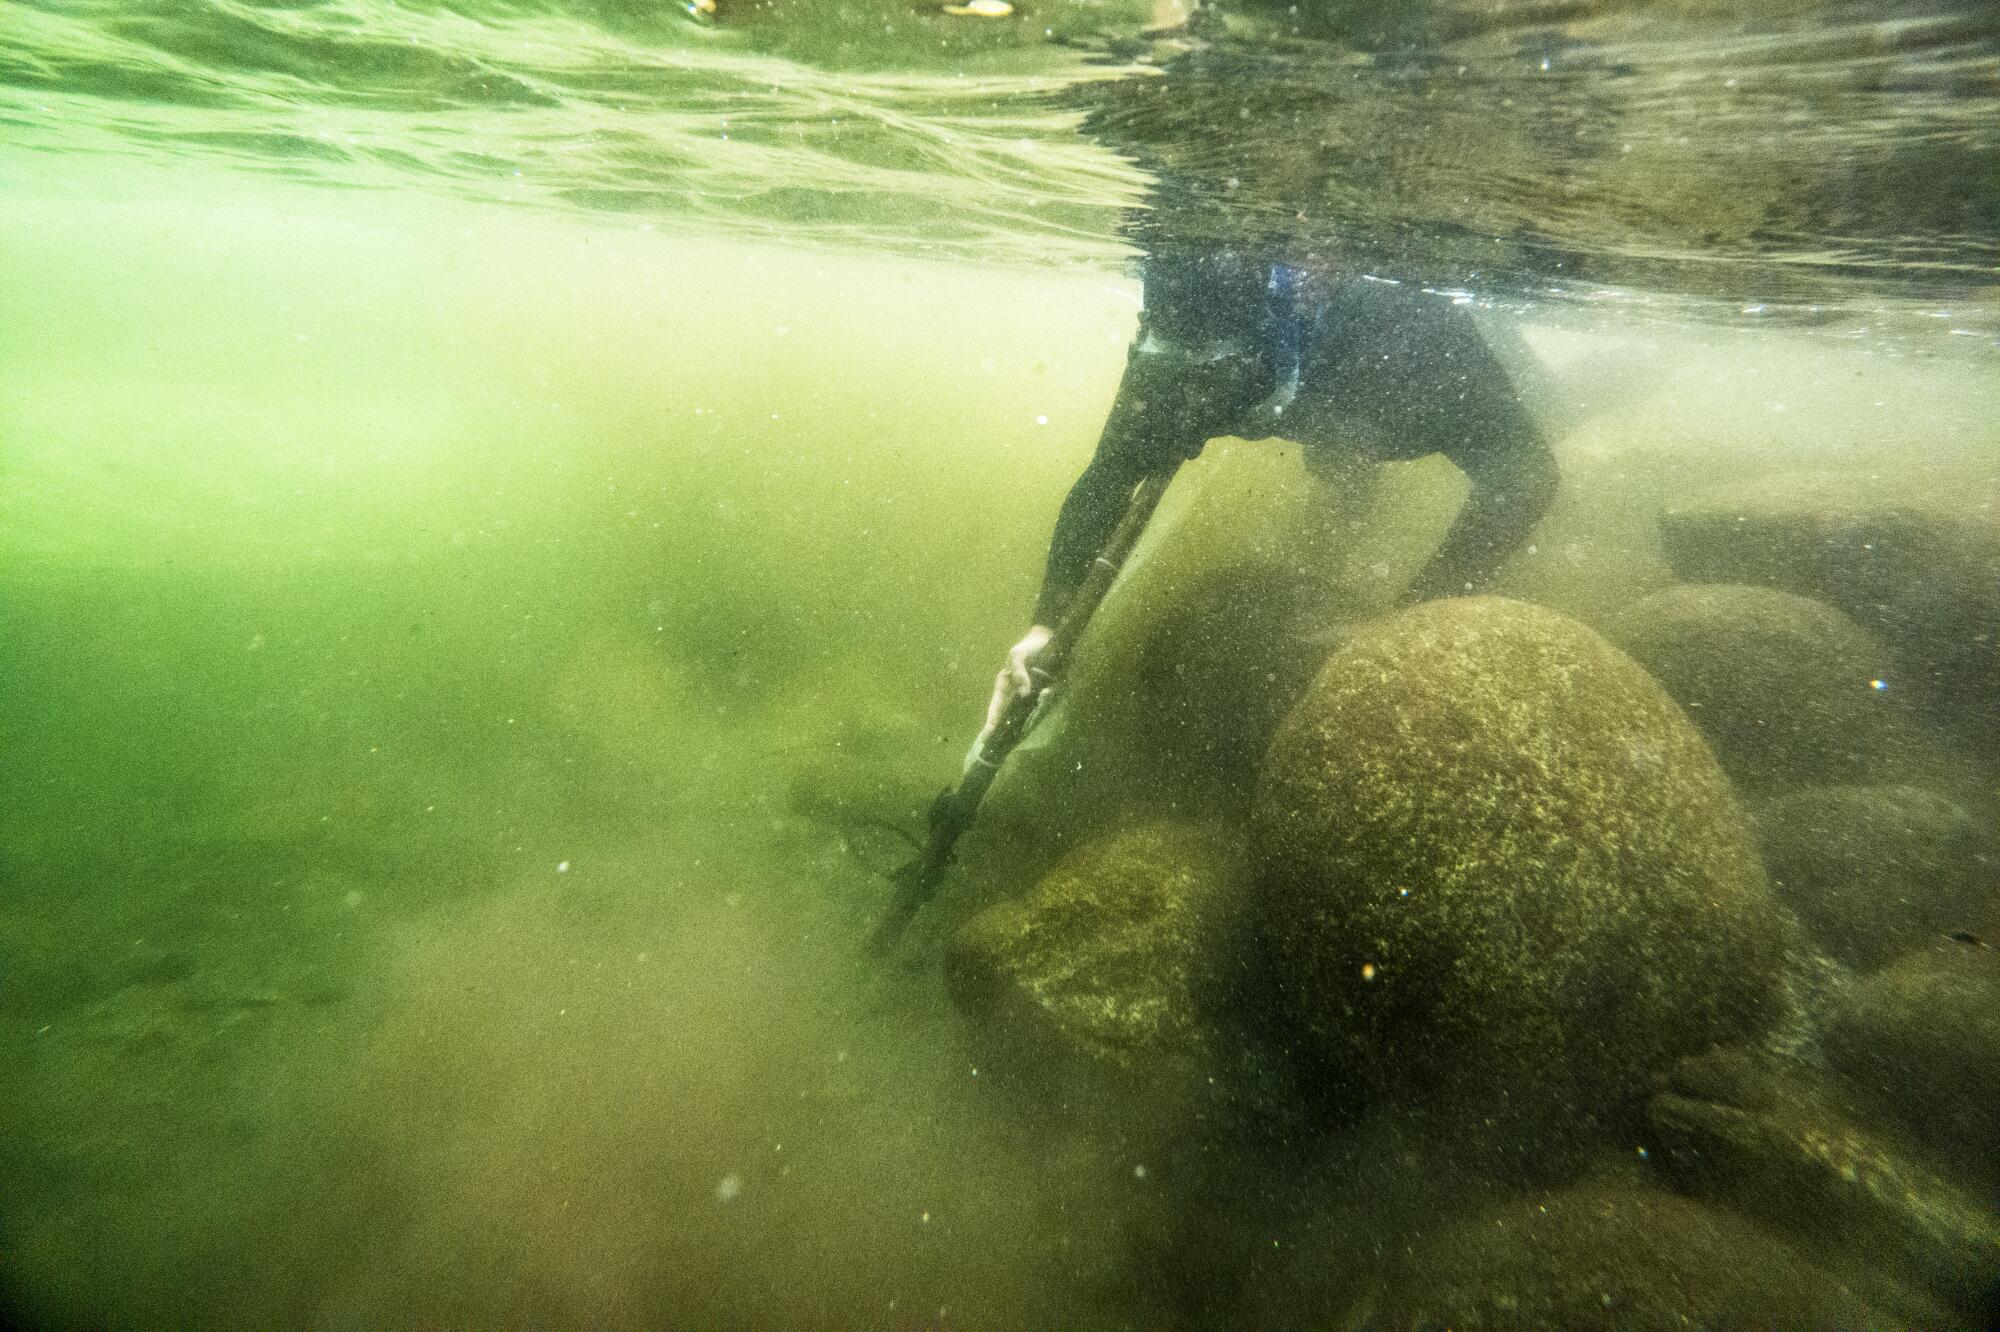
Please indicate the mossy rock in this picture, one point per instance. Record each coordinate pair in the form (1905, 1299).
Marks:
(1788, 690)
(1914, 558)
(1875, 870)
(1780, 1144)
(1611, 1254)
(1919, 1041)
(1496, 858)
(1115, 968)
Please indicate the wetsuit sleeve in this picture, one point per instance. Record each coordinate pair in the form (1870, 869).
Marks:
(1514, 480)
(1169, 405)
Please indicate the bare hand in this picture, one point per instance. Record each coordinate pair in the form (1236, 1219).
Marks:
(1011, 683)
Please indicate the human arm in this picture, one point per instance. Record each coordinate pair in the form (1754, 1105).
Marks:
(1514, 481)
(1169, 404)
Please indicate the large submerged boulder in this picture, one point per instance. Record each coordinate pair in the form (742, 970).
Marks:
(1788, 690)
(1117, 971)
(1498, 860)
(1875, 870)
(1912, 557)
(1607, 1253)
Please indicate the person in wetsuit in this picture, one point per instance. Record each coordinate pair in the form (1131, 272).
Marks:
(1356, 370)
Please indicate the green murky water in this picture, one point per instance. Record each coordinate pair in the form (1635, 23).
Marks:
(508, 512)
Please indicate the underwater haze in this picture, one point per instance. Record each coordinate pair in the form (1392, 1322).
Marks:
(509, 513)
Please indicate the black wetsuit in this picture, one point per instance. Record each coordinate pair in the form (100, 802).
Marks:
(1382, 371)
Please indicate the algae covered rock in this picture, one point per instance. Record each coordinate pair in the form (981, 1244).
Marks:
(1913, 558)
(1788, 690)
(1116, 961)
(1920, 1043)
(1606, 1253)
(1874, 870)
(1496, 856)
(1773, 1142)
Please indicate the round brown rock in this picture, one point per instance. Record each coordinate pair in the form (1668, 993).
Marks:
(1497, 857)
(1912, 554)
(1789, 691)
(1115, 956)
(1609, 1254)
(1876, 870)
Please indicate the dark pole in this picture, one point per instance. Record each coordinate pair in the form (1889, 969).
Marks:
(955, 807)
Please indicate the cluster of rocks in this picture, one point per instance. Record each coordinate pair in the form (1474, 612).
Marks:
(1918, 571)
(1838, 639)
(1782, 1145)
(1521, 881)
(1787, 690)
